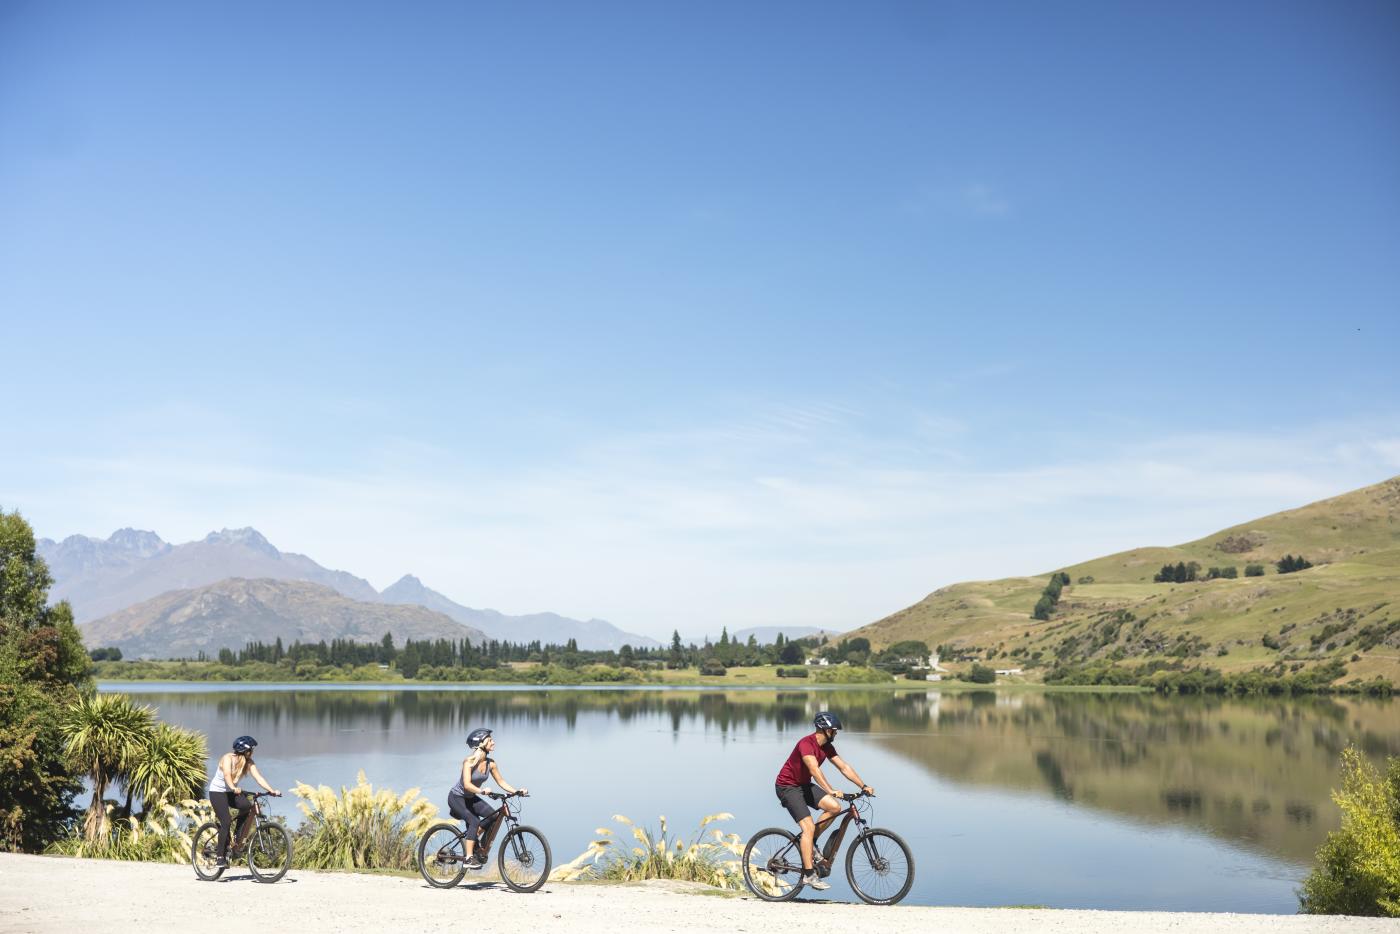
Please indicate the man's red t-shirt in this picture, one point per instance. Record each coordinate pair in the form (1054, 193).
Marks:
(794, 771)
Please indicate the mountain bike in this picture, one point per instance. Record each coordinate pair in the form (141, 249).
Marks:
(523, 858)
(879, 865)
(268, 848)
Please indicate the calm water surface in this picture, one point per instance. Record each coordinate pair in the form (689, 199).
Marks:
(1068, 800)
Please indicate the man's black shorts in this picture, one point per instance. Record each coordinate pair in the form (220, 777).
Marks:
(798, 799)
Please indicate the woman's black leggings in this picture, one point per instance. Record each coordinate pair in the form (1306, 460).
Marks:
(472, 810)
(223, 801)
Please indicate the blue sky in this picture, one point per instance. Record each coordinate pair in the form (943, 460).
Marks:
(696, 314)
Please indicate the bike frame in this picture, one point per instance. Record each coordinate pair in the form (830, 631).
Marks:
(780, 860)
(489, 825)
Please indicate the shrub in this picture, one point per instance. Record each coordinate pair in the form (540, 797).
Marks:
(1358, 871)
(660, 857)
(792, 672)
(712, 667)
(852, 674)
(1254, 570)
(1086, 579)
(360, 828)
(1288, 564)
(981, 674)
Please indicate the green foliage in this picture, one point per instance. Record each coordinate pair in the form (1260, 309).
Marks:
(116, 741)
(1254, 570)
(1171, 677)
(1358, 867)
(1050, 596)
(106, 655)
(712, 667)
(851, 674)
(800, 672)
(360, 828)
(982, 674)
(1180, 573)
(660, 856)
(169, 767)
(43, 667)
(103, 735)
(1230, 572)
(1288, 564)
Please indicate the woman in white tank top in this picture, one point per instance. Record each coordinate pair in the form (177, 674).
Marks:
(226, 796)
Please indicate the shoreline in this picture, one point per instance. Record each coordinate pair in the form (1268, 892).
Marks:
(793, 684)
(42, 894)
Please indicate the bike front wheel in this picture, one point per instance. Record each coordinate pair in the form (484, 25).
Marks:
(270, 852)
(204, 853)
(880, 867)
(773, 865)
(524, 859)
(442, 856)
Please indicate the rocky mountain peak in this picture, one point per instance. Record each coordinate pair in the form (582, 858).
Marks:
(247, 537)
(138, 541)
(405, 587)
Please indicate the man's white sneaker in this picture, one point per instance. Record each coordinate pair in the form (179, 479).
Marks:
(815, 881)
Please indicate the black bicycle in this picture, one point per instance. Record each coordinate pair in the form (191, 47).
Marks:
(879, 865)
(268, 848)
(523, 857)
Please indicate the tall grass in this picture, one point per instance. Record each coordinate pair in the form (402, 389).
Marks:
(161, 835)
(360, 828)
(659, 856)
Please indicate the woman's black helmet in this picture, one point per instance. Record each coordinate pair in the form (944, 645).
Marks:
(476, 737)
(827, 721)
(244, 745)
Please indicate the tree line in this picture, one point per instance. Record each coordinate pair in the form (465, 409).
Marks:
(1184, 572)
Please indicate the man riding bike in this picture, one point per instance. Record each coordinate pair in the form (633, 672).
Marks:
(798, 783)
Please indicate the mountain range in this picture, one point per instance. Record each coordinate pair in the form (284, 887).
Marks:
(101, 578)
(234, 611)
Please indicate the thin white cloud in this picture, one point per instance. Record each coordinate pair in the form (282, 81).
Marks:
(782, 515)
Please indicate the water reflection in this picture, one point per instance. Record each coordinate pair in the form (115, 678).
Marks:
(1255, 772)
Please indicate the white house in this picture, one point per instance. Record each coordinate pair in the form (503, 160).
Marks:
(821, 662)
(1008, 671)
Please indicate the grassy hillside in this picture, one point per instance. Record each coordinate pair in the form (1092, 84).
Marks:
(1346, 607)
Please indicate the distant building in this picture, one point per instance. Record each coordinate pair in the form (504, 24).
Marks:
(820, 662)
(1008, 671)
(933, 677)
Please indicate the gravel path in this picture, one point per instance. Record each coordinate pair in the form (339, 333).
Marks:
(44, 894)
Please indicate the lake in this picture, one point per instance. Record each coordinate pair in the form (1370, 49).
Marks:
(1127, 801)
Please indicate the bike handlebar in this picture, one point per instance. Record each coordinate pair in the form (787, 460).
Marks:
(501, 797)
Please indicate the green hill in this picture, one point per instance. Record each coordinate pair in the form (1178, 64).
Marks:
(1345, 607)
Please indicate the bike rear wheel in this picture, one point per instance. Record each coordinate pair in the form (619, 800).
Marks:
(204, 852)
(773, 865)
(524, 859)
(270, 852)
(442, 856)
(880, 867)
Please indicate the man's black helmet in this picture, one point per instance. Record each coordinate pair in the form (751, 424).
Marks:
(827, 720)
(244, 745)
(476, 737)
